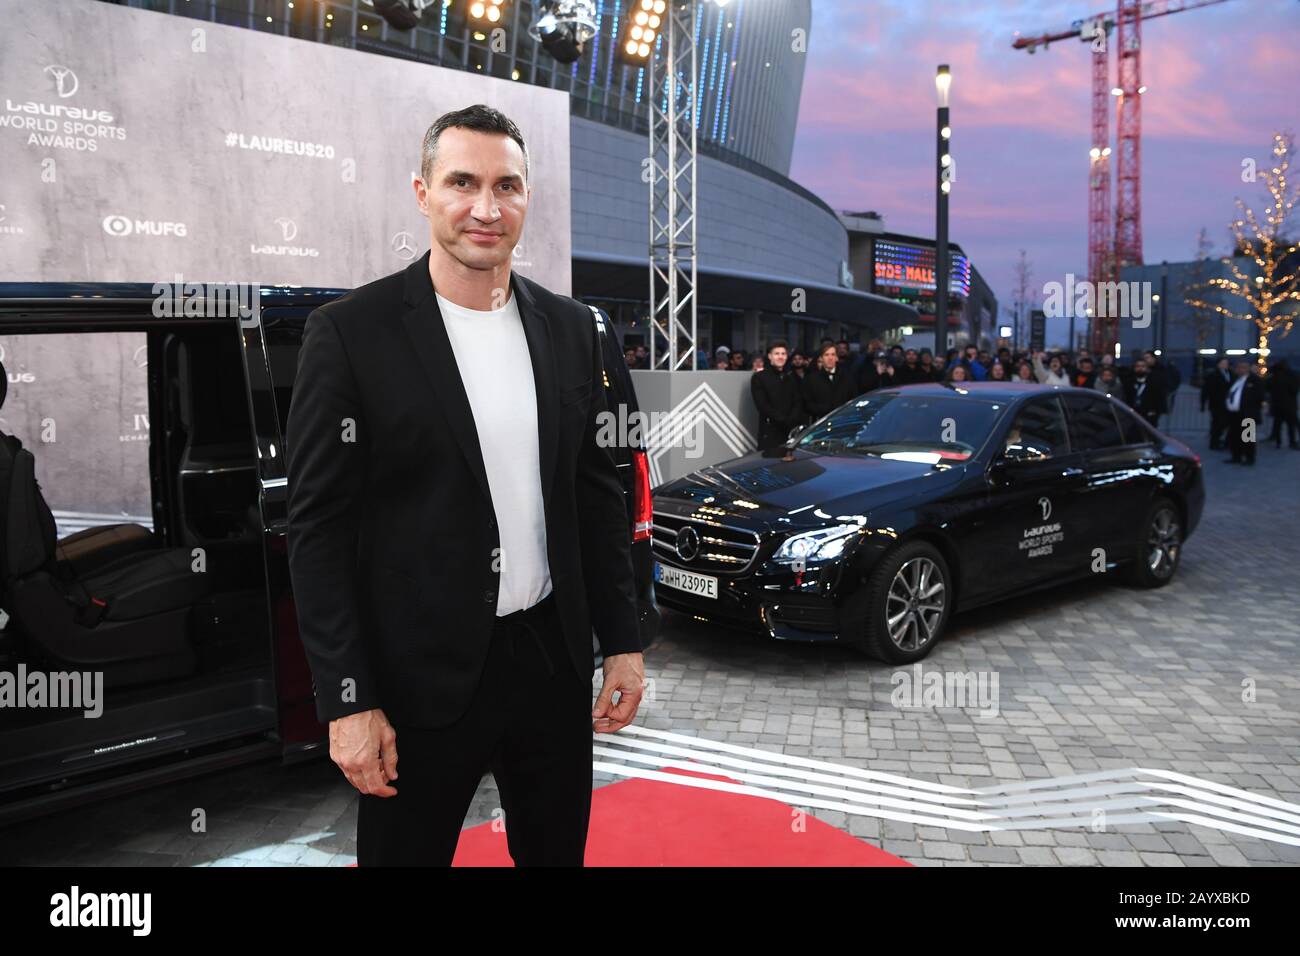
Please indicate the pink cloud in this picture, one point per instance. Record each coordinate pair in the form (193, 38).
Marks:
(1220, 80)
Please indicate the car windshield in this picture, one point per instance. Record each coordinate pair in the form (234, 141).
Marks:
(930, 429)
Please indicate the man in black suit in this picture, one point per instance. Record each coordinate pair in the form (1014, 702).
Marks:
(446, 578)
(828, 386)
(776, 393)
(1145, 394)
(1244, 404)
(1282, 386)
(1214, 389)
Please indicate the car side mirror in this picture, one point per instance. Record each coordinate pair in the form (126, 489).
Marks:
(1001, 471)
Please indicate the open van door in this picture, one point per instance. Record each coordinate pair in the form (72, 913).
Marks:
(161, 610)
(271, 341)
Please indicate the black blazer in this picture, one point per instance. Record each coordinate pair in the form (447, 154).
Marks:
(392, 535)
(821, 394)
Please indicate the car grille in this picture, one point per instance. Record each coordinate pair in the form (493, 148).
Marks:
(721, 548)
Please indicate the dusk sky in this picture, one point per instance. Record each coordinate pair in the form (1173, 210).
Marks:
(1220, 81)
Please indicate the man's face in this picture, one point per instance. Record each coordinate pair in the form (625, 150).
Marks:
(737, 360)
(1243, 369)
(984, 358)
(830, 358)
(776, 357)
(629, 356)
(1085, 365)
(1223, 364)
(1140, 368)
(476, 198)
(910, 356)
(798, 361)
(842, 350)
(1151, 359)
(970, 352)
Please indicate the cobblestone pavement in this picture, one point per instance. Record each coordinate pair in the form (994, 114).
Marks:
(1092, 676)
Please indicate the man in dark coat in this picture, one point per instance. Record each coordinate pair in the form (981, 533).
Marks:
(776, 393)
(910, 372)
(1244, 404)
(1282, 385)
(1214, 390)
(828, 386)
(1145, 394)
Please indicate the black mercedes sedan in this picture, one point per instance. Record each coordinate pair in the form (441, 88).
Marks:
(878, 521)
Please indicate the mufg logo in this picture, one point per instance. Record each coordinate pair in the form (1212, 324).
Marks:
(119, 226)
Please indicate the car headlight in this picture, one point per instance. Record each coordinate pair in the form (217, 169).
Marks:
(821, 544)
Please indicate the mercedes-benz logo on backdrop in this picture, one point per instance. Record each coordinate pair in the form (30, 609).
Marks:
(688, 543)
(65, 81)
(404, 245)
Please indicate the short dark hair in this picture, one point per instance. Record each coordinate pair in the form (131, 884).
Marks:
(778, 344)
(480, 119)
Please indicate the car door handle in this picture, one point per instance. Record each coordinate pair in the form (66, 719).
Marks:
(1071, 472)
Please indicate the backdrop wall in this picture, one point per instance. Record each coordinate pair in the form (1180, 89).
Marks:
(136, 146)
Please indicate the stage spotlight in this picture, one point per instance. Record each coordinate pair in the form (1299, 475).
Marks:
(487, 12)
(644, 23)
(402, 14)
(562, 27)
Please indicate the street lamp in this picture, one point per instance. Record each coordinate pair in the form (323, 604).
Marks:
(943, 185)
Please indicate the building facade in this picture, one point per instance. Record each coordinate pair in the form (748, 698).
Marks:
(1192, 337)
(902, 268)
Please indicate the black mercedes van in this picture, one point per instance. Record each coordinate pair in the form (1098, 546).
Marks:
(159, 672)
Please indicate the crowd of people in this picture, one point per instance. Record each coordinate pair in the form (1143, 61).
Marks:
(791, 387)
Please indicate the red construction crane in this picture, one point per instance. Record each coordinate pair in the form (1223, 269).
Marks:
(1109, 249)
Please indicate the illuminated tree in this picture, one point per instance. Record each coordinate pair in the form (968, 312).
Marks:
(1264, 292)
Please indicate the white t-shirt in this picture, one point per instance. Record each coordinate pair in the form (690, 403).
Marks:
(497, 371)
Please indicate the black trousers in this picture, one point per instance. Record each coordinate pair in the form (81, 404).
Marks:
(1288, 418)
(529, 723)
(1218, 425)
(1241, 450)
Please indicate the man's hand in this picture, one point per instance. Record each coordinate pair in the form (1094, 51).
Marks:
(624, 673)
(364, 745)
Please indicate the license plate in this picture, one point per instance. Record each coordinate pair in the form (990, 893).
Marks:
(704, 585)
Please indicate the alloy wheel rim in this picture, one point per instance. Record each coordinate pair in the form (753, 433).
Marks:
(915, 603)
(1163, 542)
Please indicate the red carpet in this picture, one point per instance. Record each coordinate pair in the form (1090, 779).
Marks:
(648, 823)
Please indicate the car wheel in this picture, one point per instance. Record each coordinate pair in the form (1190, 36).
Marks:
(909, 599)
(1158, 547)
